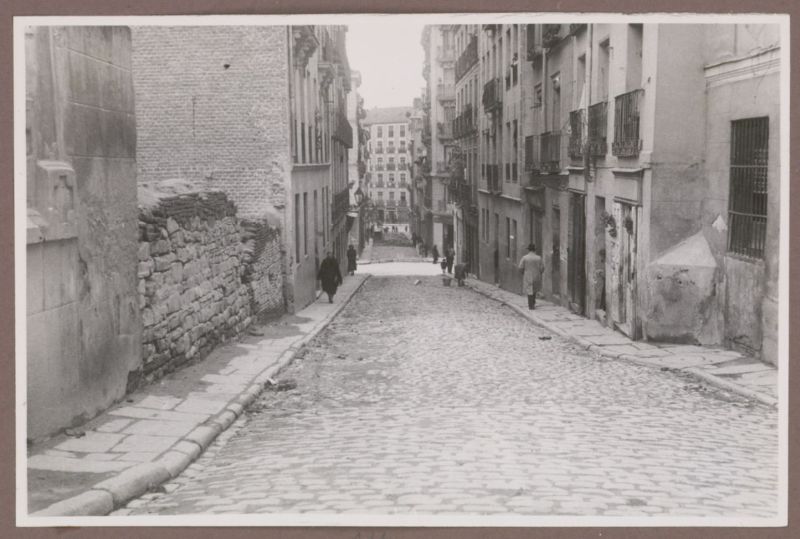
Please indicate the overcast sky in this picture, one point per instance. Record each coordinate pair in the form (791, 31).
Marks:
(389, 56)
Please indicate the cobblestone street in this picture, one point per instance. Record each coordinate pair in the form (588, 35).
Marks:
(435, 400)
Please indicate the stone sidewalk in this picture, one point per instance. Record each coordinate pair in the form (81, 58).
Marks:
(725, 369)
(157, 432)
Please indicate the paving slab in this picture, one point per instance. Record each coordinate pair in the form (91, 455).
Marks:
(60, 464)
(91, 442)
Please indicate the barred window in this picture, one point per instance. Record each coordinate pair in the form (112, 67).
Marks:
(747, 200)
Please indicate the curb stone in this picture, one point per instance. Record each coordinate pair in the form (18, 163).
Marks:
(693, 371)
(113, 493)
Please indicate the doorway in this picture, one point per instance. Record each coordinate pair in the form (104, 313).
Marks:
(623, 268)
(576, 253)
(555, 263)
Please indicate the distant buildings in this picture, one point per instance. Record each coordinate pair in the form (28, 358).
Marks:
(389, 167)
(642, 160)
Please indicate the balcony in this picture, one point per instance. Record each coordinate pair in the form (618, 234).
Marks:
(390, 149)
(576, 121)
(344, 131)
(597, 129)
(467, 59)
(380, 184)
(402, 166)
(493, 95)
(379, 149)
(627, 141)
(464, 125)
(492, 173)
(445, 92)
(444, 130)
(379, 167)
(341, 203)
(534, 52)
(547, 153)
(391, 203)
(445, 54)
(551, 35)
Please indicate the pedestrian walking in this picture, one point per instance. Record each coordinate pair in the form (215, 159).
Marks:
(461, 273)
(435, 253)
(424, 250)
(443, 265)
(532, 267)
(351, 260)
(330, 276)
(450, 256)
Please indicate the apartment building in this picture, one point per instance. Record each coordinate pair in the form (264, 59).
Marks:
(439, 72)
(357, 167)
(389, 168)
(650, 179)
(465, 168)
(418, 155)
(279, 145)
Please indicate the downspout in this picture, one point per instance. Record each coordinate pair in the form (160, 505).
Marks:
(587, 174)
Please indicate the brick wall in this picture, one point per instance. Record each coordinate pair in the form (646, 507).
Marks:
(212, 106)
(203, 274)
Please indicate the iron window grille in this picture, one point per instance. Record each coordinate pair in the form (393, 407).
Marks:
(747, 200)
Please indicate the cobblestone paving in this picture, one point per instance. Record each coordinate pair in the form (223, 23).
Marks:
(427, 399)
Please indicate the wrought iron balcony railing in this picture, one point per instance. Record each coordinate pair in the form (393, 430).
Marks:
(444, 130)
(468, 58)
(344, 131)
(576, 121)
(445, 92)
(547, 153)
(627, 141)
(464, 125)
(492, 98)
(492, 173)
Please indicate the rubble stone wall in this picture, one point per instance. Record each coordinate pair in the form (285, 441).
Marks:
(203, 276)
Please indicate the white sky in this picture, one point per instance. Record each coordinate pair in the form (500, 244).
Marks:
(389, 56)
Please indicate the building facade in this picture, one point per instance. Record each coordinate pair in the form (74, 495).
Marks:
(389, 168)
(440, 109)
(629, 155)
(279, 146)
(357, 167)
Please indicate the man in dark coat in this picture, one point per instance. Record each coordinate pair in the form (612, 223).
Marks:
(351, 260)
(435, 252)
(450, 256)
(330, 276)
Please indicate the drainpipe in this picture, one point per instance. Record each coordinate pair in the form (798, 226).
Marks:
(587, 174)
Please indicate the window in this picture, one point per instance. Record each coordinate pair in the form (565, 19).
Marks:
(402, 178)
(403, 197)
(391, 131)
(391, 177)
(305, 223)
(537, 100)
(556, 95)
(380, 131)
(402, 131)
(391, 195)
(380, 195)
(747, 200)
(380, 178)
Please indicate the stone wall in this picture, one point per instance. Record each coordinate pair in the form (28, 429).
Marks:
(203, 273)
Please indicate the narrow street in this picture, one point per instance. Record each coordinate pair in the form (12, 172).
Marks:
(427, 399)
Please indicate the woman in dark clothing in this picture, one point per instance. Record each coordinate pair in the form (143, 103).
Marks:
(450, 255)
(330, 276)
(435, 253)
(351, 260)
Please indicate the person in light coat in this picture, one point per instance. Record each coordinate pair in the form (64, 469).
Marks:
(532, 268)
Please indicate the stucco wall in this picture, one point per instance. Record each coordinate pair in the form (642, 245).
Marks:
(83, 320)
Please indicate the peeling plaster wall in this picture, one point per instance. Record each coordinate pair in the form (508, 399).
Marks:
(83, 321)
